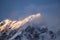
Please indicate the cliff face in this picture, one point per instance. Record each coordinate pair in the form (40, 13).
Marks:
(29, 33)
(27, 29)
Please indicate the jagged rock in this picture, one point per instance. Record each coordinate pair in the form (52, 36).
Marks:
(23, 30)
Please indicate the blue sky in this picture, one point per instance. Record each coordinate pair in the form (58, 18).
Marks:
(14, 9)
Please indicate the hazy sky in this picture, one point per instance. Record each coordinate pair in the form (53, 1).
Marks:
(14, 9)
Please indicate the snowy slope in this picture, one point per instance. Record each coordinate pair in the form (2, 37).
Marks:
(30, 28)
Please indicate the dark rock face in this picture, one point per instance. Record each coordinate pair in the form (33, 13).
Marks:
(30, 33)
(33, 33)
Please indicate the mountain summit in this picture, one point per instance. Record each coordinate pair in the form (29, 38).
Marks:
(16, 24)
(30, 28)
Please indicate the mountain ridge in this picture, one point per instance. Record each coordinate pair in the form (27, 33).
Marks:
(26, 29)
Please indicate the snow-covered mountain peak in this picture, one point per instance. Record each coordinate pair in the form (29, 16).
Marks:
(16, 24)
(29, 28)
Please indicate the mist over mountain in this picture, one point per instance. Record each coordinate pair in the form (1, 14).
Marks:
(32, 27)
